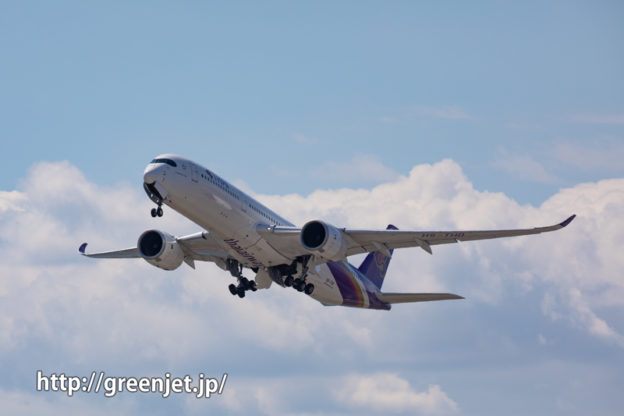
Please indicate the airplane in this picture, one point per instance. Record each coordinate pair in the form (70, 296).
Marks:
(240, 233)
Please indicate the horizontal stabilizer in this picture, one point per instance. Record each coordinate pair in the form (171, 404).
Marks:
(415, 297)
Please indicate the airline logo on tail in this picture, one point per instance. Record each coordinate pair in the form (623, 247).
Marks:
(375, 265)
(382, 261)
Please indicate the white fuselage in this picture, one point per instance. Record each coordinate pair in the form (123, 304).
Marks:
(232, 217)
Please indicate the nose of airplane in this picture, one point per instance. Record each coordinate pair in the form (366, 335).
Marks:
(152, 173)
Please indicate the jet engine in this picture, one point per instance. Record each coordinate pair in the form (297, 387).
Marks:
(160, 249)
(324, 239)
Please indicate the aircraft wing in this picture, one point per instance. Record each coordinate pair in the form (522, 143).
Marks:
(199, 246)
(127, 253)
(367, 241)
(286, 239)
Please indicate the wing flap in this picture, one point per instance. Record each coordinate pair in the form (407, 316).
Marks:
(202, 246)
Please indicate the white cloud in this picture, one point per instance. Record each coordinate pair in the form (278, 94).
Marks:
(599, 118)
(574, 305)
(130, 317)
(360, 168)
(527, 168)
(444, 112)
(16, 403)
(388, 393)
(584, 256)
(604, 157)
(11, 201)
(387, 120)
(450, 112)
(250, 397)
(302, 139)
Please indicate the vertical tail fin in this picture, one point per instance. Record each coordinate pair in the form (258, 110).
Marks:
(375, 265)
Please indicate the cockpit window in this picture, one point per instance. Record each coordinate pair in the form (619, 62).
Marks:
(167, 161)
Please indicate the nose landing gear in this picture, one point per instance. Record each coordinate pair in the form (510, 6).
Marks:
(157, 212)
(155, 196)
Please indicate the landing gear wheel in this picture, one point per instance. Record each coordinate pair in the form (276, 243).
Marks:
(154, 212)
(233, 289)
(159, 212)
(309, 288)
(244, 282)
(241, 292)
(288, 282)
(299, 285)
(252, 286)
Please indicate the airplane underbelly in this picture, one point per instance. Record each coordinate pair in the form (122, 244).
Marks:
(232, 226)
(326, 289)
(341, 286)
(236, 230)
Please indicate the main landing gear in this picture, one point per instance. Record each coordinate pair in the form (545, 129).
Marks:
(300, 284)
(244, 284)
(157, 212)
(277, 274)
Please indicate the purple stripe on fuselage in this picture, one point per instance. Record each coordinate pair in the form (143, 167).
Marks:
(346, 278)
(349, 290)
(375, 303)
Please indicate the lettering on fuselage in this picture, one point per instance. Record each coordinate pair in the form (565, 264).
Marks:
(237, 248)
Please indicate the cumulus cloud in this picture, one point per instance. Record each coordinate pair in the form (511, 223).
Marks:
(388, 393)
(583, 256)
(129, 317)
(17, 403)
(11, 201)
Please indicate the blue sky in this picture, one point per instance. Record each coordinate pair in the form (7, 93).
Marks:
(427, 115)
(295, 86)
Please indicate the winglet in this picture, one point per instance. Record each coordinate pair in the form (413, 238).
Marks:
(82, 248)
(568, 221)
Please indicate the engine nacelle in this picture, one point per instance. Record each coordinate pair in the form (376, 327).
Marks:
(324, 239)
(160, 249)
